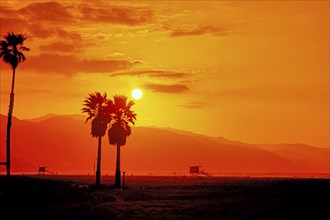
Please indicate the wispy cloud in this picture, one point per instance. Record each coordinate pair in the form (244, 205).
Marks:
(166, 88)
(42, 19)
(195, 31)
(58, 47)
(40, 31)
(68, 65)
(153, 73)
(37, 20)
(12, 24)
(117, 15)
(47, 11)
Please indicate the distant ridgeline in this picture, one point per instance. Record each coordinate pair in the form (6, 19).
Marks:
(62, 144)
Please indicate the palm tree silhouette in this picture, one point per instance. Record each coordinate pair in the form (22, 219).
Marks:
(122, 120)
(95, 105)
(11, 51)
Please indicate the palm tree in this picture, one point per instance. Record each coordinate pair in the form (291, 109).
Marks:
(11, 51)
(94, 106)
(122, 120)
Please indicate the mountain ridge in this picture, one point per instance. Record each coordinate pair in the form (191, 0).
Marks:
(56, 141)
(222, 139)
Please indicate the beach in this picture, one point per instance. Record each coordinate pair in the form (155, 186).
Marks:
(164, 197)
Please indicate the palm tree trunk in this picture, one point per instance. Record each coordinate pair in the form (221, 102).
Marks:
(9, 122)
(98, 166)
(117, 175)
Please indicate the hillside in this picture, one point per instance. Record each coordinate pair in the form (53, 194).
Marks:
(63, 144)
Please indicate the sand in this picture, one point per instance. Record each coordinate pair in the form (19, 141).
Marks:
(75, 197)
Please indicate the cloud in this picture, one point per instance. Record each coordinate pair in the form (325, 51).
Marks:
(153, 73)
(69, 35)
(31, 19)
(166, 88)
(193, 105)
(55, 13)
(47, 19)
(195, 31)
(69, 66)
(5, 10)
(58, 47)
(40, 31)
(14, 24)
(47, 11)
(117, 15)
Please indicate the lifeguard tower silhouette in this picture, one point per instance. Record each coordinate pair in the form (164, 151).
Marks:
(195, 171)
(43, 170)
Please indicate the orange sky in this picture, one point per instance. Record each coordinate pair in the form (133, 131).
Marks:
(251, 71)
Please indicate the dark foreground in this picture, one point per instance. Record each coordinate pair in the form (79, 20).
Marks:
(49, 197)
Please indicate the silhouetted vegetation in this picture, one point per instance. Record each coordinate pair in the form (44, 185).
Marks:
(122, 120)
(11, 52)
(115, 114)
(94, 106)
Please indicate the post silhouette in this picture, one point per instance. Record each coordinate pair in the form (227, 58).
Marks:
(123, 180)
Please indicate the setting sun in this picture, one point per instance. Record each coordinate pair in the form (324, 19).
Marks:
(137, 94)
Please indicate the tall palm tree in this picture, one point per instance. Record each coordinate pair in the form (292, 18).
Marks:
(11, 51)
(122, 120)
(94, 105)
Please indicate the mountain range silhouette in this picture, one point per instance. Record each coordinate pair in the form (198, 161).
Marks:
(63, 144)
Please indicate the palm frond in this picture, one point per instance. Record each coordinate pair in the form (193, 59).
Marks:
(24, 48)
(88, 118)
(12, 49)
(94, 105)
(123, 119)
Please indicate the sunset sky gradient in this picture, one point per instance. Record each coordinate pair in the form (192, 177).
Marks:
(254, 71)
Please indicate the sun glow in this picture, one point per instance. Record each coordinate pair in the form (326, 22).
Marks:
(137, 94)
